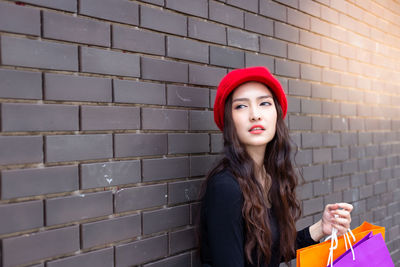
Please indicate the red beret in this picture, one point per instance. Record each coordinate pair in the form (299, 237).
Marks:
(239, 76)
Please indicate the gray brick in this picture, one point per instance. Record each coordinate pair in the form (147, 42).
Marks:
(321, 124)
(78, 147)
(16, 217)
(142, 197)
(243, 39)
(341, 183)
(133, 145)
(298, 19)
(110, 230)
(273, 47)
(319, 26)
(310, 7)
(206, 31)
(137, 40)
(339, 124)
(320, 59)
(193, 7)
(321, 91)
(155, 2)
(351, 195)
(165, 168)
(38, 117)
(364, 138)
(187, 49)
(183, 191)
(333, 169)
(71, 28)
(310, 39)
(25, 249)
(225, 14)
(77, 88)
(20, 84)
(273, 10)
(312, 173)
(121, 11)
(164, 70)
(109, 117)
(255, 59)
(310, 73)
(100, 258)
(322, 155)
(67, 5)
(340, 63)
(166, 21)
(64, 209)
(322, 187)
(251, 5)
(305, 191)
(299, 53)
(299, 88)
(339, 93)
(160, 220)
(126, 91)
(348, 138)
(31, 182)
(293, 104)
(141, 251)
(217, 143)
(258, 24)
(303, 157)
(312, 206)
(21, 149)
(188, 143)
(286, 32)
(38, 54)
(187, 96)
(331, 139)
(311, 140)
(181, 260)
(164, 119)
(109, 62)
(226, 57)
(329, 46)
(182, 240)
(213, 94)
(204, 75)
(202, 120)
(110, 173)
(311, 106)
(14, 18)
(199, 165)
(299, 122)
(287, 68)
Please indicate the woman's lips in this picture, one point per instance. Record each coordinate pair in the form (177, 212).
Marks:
(256, 129)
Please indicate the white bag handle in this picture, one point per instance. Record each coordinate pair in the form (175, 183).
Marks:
(334, 239)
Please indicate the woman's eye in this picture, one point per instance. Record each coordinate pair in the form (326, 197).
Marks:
(266, 104)
(239, 106)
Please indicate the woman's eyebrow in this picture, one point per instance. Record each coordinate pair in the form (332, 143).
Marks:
(246, 99)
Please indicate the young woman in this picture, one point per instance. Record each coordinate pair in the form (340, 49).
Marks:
(249, 207)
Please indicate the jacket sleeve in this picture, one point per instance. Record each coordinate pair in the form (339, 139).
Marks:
(304, 239)
(225, 223)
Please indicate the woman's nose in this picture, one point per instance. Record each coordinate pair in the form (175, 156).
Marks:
(255, 115)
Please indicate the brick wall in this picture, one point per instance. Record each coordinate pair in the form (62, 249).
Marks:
(107, 126)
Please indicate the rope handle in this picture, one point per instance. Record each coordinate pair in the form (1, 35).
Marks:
(334, 243)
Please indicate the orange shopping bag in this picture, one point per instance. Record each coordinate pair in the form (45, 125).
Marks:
(317, 255)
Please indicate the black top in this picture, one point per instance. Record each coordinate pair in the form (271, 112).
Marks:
(223, 231)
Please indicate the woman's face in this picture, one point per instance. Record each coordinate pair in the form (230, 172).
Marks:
(254, 114)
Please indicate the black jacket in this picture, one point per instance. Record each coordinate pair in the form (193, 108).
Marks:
(223, 231)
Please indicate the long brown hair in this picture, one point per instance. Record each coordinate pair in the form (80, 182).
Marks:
(282, 183)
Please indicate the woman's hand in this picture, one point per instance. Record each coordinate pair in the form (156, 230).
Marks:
(341, 222)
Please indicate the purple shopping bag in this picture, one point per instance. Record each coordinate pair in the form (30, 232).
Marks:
(369, 251)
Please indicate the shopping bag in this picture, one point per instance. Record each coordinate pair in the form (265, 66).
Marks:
(318, 254)
(369, 251)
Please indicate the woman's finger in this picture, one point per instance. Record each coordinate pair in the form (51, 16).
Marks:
(342, 222)
(345, 206)
(341, 213)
